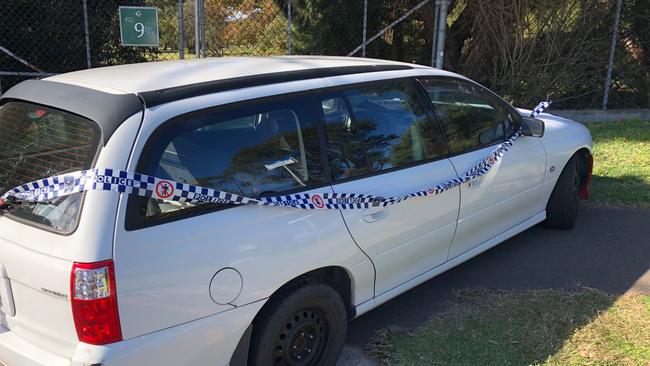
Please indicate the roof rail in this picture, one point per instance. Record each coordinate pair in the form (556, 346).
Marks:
(162, 96)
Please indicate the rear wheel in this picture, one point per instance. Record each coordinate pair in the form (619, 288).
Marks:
(304, 325)
(562, 207)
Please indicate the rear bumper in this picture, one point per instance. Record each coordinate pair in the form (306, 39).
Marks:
(207, 341)
(15, 351)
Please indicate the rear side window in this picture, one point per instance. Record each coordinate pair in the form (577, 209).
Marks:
(38, 142)
(379, 127)
(471, 116)
(259, 150)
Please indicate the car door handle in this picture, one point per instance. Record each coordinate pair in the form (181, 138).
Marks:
(374, 214)
(475, 183)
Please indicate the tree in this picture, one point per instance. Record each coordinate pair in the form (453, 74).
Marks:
(632, 68)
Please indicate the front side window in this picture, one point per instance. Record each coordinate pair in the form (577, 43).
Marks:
(379, 127)
(39, 142)
(255, 151)
(471, 116)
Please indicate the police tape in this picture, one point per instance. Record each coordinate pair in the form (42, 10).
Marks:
(47, 189)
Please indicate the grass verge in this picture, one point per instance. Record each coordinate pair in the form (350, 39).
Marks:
(621, 163)
(541, 327)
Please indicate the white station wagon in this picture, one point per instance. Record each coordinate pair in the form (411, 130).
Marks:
(199, 251)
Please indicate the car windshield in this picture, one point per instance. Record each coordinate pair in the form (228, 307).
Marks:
(38, 142)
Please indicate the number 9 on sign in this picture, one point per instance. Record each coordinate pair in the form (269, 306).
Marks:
(139, 27)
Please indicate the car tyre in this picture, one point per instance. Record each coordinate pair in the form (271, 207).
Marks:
(305, 324)
(562, 207)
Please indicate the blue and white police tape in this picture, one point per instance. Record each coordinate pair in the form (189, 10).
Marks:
(143, 185)
(540, 108)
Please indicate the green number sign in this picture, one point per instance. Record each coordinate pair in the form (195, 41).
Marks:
(139, 26)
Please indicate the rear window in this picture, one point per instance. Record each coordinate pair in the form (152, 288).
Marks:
(38, 142)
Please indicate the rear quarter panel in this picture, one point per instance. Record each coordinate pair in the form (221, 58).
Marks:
(39, 262)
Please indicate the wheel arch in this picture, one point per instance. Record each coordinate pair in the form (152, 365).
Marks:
(337, 277)
(584, 153)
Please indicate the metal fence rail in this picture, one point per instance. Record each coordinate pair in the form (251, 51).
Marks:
(39, 38)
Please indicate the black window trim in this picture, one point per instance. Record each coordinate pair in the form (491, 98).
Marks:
(162, 96)
(511, 110)
(431, 114)
(132, 221)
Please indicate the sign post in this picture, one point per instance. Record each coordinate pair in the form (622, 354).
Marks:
(139, 26)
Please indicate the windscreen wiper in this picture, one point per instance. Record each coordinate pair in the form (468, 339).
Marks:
(283, 164)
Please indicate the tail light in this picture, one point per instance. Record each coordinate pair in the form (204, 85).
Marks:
(584, 188)
(94, 303)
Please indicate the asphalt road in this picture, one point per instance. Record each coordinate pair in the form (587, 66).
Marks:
(609, 249)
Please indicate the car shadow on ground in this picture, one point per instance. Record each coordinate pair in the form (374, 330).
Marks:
(627, 190)
(609, 249)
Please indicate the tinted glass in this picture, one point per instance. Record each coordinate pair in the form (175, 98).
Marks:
(378, 127)
(470, 115)
(40, 142)
(344, 146)
(255, 151)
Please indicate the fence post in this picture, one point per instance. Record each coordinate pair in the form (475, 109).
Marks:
(197, 54)
(442, 27)
(612, 52)
(289, 27)
(204, 47)
(181, 31)
(434, 35)
(365, 27)
(87, 32)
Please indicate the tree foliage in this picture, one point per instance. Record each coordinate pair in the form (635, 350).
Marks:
(526, 50)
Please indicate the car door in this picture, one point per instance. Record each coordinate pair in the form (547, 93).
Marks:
(475, 121)
(380, 142)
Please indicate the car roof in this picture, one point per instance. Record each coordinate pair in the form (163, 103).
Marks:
(152, 76)
(108, 95)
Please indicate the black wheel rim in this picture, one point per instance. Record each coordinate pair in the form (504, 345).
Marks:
(302, 339)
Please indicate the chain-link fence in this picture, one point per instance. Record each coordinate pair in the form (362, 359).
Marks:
(524, 49)
(39, 38)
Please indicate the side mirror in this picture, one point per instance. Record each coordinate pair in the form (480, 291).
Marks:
(531, 126)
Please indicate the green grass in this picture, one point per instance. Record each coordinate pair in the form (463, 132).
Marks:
(541, 327)
(621, 163)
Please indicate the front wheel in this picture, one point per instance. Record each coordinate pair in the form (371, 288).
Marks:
(562, 207)
(303, 326)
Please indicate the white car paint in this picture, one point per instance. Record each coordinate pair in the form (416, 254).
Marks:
(164, 272)
(161, 75)
(404, 240)
(500, 199)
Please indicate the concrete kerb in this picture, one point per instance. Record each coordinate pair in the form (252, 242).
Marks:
(601, 115)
